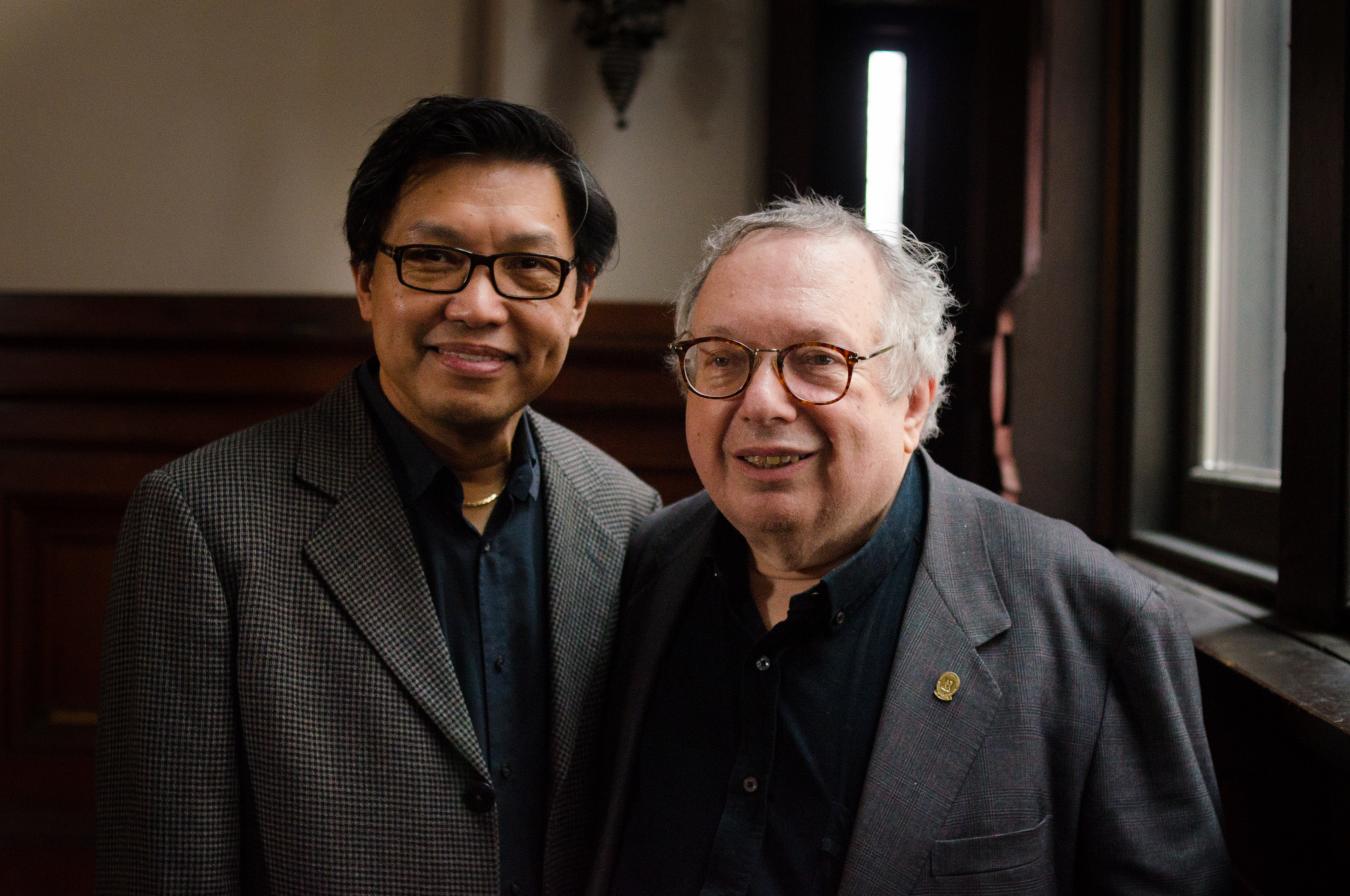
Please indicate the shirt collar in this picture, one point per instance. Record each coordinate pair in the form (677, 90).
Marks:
(418, 466)
(900, 534)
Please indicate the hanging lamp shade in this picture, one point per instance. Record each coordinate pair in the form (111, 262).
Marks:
(623, 31)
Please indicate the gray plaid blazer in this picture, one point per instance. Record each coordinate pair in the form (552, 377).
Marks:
(1072, 759)
(278, 708)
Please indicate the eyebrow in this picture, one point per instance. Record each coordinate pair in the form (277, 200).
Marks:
(722, 331)
(525, 241)
(725, 333)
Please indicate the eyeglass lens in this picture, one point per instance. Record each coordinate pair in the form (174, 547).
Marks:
(719, 368)
(517, 275)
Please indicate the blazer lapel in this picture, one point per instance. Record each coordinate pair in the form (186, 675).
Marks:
(585, 562)
(365, 553)
(924, 746)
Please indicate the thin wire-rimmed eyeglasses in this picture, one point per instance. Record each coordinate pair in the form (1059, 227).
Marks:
(444, 270)
(811, 372)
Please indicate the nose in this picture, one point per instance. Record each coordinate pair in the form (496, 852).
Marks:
(478, 304)
(765, 398)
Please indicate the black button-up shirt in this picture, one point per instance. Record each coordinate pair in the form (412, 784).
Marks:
(756, 743)
(489, 594)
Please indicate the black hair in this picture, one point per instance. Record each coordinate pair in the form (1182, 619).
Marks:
(440, 127)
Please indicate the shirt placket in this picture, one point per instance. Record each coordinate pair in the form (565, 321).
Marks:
(740, 831)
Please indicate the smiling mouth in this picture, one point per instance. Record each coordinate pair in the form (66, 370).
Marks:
(473, 355)
(772, 461)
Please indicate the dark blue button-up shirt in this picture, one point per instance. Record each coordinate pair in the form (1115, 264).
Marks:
(756, 743)
(489, 594)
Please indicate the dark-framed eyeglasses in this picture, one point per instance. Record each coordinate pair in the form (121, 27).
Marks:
(811, 372)
(445, 270)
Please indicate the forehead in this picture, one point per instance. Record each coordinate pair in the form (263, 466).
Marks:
(473, 191)
(779, 286)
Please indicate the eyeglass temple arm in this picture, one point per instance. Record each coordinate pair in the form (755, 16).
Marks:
(880, 351)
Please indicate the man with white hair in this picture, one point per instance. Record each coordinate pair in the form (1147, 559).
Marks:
(843, 669)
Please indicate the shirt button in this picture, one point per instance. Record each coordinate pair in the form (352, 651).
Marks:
(514, 890)
(750, 784)
(499, 662)
(479, 797)
(762, 664)
(839, 618)
(487, 547)
(506, 771)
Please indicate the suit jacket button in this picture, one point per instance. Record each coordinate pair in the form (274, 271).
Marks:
(479, 797)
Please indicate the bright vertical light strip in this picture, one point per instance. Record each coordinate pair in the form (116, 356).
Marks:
(1211, 402)
(885, 140)
(1246, 180)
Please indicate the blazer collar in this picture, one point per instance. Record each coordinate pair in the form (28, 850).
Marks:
(956, 554)
(338, 442)
(924, 746)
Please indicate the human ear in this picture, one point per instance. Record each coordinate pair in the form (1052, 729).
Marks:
(920, 399)
(361, 274)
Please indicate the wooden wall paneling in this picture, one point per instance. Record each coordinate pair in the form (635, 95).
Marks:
(616, 390)
(59, 512)
(61, 544)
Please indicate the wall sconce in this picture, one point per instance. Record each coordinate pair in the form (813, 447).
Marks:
(623, 31)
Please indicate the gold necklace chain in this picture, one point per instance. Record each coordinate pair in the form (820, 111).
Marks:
(483, 502)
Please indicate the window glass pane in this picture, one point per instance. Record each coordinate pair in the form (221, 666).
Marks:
(885, 140)
(1245, 225)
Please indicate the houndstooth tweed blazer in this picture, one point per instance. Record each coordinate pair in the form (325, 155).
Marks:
(279, 712)
(1071, 759)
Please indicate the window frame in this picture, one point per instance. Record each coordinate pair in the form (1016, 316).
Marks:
(1161, 511)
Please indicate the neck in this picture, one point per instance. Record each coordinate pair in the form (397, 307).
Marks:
(783, 555)
(476, 455)
(482, 483)
(772, 584)
(779, 568)
(481, 466)
(480, 460)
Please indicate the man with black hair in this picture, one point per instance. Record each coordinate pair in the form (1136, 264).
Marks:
(361, 648)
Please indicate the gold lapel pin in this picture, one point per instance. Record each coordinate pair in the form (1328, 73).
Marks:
(947, 685)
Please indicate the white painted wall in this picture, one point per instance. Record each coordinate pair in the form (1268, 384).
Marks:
(198, 146)
(693, 152)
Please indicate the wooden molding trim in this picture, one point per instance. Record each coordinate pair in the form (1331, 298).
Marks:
(320, 320)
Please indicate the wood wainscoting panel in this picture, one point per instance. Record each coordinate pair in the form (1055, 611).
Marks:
(57, 585)
(98, 390)
(60, 507)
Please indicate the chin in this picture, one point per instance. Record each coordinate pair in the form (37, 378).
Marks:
(764, 520)
(474, 414)
(780, 526)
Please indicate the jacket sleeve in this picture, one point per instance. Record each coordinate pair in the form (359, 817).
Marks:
(1150, 818)
(167, 788)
